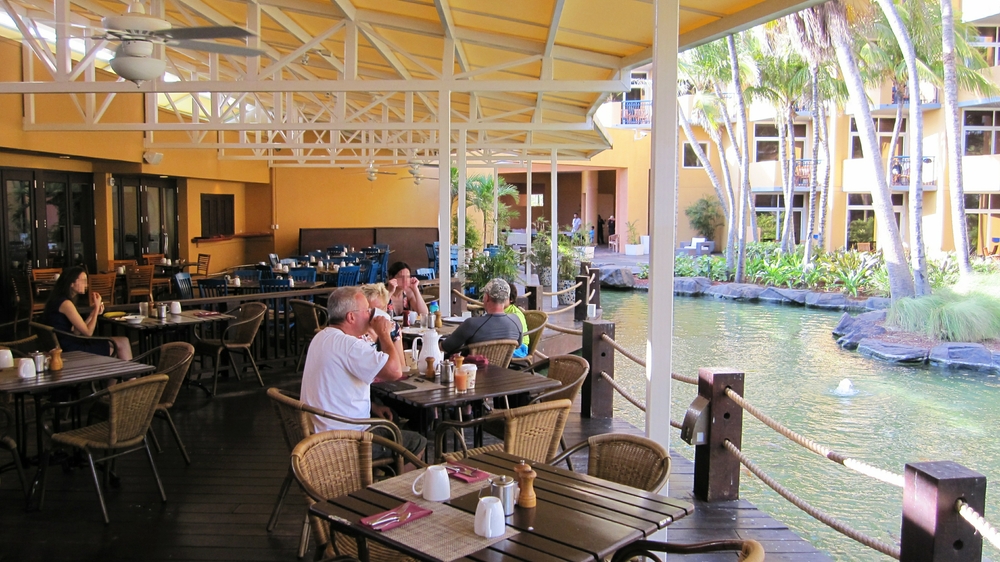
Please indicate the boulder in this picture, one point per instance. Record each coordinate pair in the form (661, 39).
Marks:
(735, 291)
(892, 352)
(783, 296)
(859, 333)
(691, 286)
(878, 303)
(829, 301)
(849, 323)
(617, 277)
(960, 355)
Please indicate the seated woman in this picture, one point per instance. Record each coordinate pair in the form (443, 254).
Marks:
(61, 313)
(405, 293)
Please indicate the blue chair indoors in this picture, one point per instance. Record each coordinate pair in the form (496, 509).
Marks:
(348, 275)
(276, 286)
(265, 272)
(183, 282)
(381, 247)
(431, 254)
(357, 256)
(273, 261)
(211, 288)
(318, 254)
(247, 275)
(425, 273)
(337, 250)
(304, 275)
(365, 271)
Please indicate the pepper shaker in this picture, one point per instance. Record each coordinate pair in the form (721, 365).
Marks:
(526, 482)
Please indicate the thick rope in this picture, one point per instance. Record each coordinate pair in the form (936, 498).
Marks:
(562, 292)
(676, 424)
(590, 297)
(567, 309)
(684, 379)
(625, 394)
(853, 464)
(593, 277)
(459, 294)
(978, 522)
(558, 328)
(870, 542)
(610, 341)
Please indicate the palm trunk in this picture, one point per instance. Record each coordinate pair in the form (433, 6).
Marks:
(729, 205)
(824, 186)
(703, 158)
(900, 280)
(811, 217)
(746, 204)
(783, 168)
(894, 139)
(952, 134)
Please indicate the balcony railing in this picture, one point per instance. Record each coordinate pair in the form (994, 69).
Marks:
(802, 172)
(899, 171)
(637, 112)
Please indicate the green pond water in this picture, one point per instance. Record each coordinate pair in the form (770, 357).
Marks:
(793, 367)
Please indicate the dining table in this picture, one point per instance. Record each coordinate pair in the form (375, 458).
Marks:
(577, 517)
(152, 332)
(79, 368)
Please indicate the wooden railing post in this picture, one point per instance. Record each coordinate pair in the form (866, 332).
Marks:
(580, 312)
(534, 294)
(716, 470)
(457, 303)
(597, 400)
(595, 285)
(932, 529)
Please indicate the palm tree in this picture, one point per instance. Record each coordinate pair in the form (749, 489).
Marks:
(741, 144)
(481, 193)
(900, 280)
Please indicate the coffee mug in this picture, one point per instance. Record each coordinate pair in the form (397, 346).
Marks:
(26, 368)
(412, 317)
(489, 518)
(6, 358)
(143, 309)
(175, 307)
(437, 488)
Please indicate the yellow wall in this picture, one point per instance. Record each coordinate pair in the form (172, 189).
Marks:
(225, 253)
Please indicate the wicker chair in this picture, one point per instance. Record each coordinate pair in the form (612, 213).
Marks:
(531, 432)
(498, 352)
(22, 347)
(104, 285)
(571, 371)
(8, 443)
(335, 463)
(310, 318)
(626, 459)
(49, 337)
(131, 408)
(139, 282)
(237, 336)
(536, 320)
(296, 422)
(24, 304)
(749, 550)
(174, 361)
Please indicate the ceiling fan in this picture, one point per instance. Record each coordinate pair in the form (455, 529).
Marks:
(138, 32)
(372, 173)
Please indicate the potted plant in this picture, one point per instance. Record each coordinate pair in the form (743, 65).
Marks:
(705, 217)
(633, 247)
(504, 264)
(582, 244)
(541, 259)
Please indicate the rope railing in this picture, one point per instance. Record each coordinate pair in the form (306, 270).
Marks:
(625, 394)
(563, 329)
(978, 522)
(590, 297)
(821, 516)
(821, 450)
(459, 294)
(684, 379)
(562, 292)
(610, 341)
(567, 309)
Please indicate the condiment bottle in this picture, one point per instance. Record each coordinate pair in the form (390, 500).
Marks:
(526, 482)
(437, 319)
(56, 361)
(406, 319)
(429, 372)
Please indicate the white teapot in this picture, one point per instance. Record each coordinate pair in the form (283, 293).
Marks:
(430, 342)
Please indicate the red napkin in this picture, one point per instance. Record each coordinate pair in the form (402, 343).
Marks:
(409, 510)
(206, 313)
(479, 361)
(476, 476)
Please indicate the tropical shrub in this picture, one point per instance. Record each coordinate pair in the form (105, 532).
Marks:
(685, 266)
(948, 315)
(861, 230)
(767, 226)
(705, 216)
(504, 264)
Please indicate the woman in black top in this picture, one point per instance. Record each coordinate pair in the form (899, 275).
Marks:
(61, 313)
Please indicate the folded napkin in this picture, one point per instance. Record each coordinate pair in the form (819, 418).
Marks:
(388, 520)
(480, 361)
(466, 473)
(206, 313)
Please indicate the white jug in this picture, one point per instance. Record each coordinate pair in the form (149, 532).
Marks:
(430, 347)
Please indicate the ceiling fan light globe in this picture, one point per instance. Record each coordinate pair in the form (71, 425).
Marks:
(135, 49)
(138, 69)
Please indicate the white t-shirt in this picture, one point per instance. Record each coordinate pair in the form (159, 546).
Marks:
(338, 372)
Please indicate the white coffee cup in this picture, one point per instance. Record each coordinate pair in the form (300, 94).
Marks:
(237, 282)
(470, 374)
(412, 317)
(26, 368)
(466, 314)
(143, 309)
(175, 307)
(6, 358)
(489, 518)
(437, 488)
(121, 270)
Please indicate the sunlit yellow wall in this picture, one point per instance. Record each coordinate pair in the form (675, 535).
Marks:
(633, 155)
(335, 198)
(225, 253)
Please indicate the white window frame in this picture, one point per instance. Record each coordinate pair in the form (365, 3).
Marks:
(684, 149)
(989, 211)
(800, 141)
(899, 210)
(993, 131)
(537, 199)
(883, 132)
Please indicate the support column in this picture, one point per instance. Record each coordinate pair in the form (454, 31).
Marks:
(932, 529)
(662, 222)
(463, 204)
(554, 191)
(588, 187)
(527, 228)
(496, 206)
(444, 200)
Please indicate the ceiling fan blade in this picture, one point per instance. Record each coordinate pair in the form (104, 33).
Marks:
(221, 32)
(220, 48)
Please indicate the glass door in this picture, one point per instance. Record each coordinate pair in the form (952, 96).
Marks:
(82, 229)
(20, 224)
(53, 224)
(130, 220)
(154, 216)
(145, 217)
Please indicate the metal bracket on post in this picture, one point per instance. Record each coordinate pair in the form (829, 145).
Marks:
(716, 470)
(932, 529)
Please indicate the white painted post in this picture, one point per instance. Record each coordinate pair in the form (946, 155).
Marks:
(463, 208)
(444, 201)
(662, 216)
(527, 226)
(554, 191)
(496, 204)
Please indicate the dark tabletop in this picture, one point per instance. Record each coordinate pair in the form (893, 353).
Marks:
(79, 368)
(185, 318)
(491, 382)
(577, 518)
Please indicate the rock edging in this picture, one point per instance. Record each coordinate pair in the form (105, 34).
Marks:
(746, 292)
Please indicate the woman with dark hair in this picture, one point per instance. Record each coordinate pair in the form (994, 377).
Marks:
(406, 291)
(61, 313)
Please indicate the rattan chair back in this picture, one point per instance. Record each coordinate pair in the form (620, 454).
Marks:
(24, 299)
(748, 550)
(47, 338)
(630, 460)
(535, 319)
(22, 347)
(309, 318)
(251, 314)
(175, 360)
(296, 424)
(104, 285)
(131, 406)
(333, 463)
(533, 432)
(498, 352)
(571, 371)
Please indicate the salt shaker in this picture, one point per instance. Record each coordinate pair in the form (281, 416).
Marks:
(526, 482)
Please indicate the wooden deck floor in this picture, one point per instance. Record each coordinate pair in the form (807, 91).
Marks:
(218, 507)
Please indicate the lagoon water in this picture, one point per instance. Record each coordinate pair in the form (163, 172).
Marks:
(793, 370)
